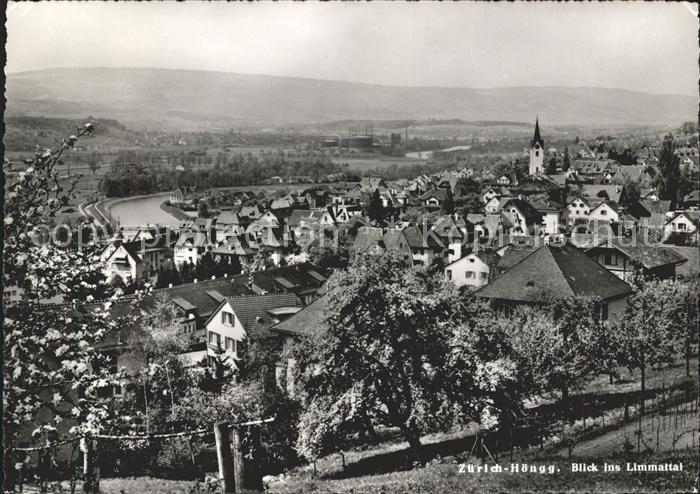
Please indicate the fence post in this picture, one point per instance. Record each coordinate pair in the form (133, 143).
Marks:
(238, 464)
(511, 444)
(91, 479)
(253, 474)
(627, 413)
(223, 456)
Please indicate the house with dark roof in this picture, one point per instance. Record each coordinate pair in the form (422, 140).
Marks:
(122, 260)
(524, 217)
(247, 317)
(191, 247)
(434, 198)
(557, 271)
(644, 208)
(615, 193)
(424, 247)
(304, 280)
(625, 256)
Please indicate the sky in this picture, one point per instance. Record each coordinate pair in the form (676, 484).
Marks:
(649, 47)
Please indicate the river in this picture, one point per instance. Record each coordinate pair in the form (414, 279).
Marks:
(145, 210)
(429, 154)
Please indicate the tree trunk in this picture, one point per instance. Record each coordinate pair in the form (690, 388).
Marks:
(643, 372)
(565, 409)
(413, 437)
(687, 357)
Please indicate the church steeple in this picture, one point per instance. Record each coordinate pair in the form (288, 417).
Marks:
(537, 151)
(536, 138)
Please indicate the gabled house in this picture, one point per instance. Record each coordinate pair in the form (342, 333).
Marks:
(178, 196)
(122, 260)
(579, 208)
(424, 248)
(493, 205)
(229, 223)
(557, 271)
(451, 235)
(551, 213)
(434, 198)
(524, 217)
(488, 195)
(625, 258)
(237, 319)
(191, 247)
(682, 224)
(503, 180)
(607, 211)
(473, 270)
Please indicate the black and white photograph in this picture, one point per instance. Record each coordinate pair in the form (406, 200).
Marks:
(351, 247)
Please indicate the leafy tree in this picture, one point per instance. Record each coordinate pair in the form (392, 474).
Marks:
(552, 166)
(383, 355)
(376, 207)
(203, 209)
(49, 353)
(669, 178)
(94, 162)
(683, 312)
(566, 164)
(448, 206)
(160, 341)
(646, 329)
(485, 385)
(560, 343)
(688, 128)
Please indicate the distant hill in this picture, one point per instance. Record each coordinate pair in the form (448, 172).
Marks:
(189, 100)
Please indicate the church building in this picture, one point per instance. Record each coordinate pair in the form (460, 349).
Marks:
(536, 151)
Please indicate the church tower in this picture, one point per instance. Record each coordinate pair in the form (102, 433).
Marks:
(537, 151)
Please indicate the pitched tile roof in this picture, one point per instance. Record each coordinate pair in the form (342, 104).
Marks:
(612, 192)
(555, 270)
(253, 313)
(649, 257)
(309, 321)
